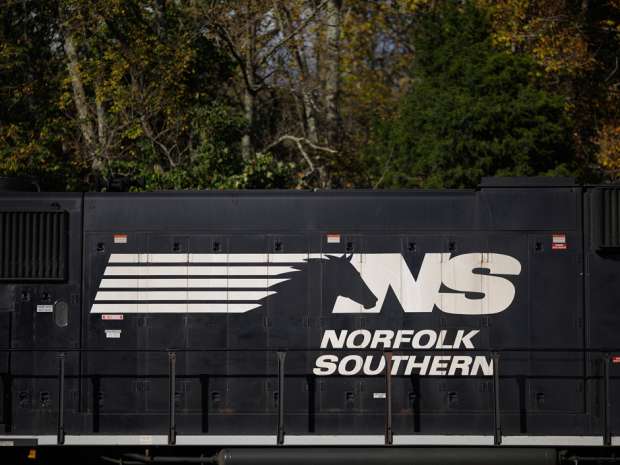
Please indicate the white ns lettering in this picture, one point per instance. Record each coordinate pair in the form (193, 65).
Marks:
(475, 280)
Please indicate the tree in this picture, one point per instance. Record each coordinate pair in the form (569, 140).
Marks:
(152, 94)
(32, 126)
(375, 61)
(473, 110)
(141, 78)
(121, 95)
(286, 84)
(576, 45)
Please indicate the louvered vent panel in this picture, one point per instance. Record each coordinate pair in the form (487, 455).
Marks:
(33, 246)
(610, 232)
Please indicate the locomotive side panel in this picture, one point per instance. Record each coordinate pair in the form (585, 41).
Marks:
(305, 294)
(214, 286)
(40, 282)
(602, 322)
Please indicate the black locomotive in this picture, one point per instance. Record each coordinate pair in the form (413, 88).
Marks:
(317, 327)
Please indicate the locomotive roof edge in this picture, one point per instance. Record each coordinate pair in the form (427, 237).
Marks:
(532, 182)
(485, 183)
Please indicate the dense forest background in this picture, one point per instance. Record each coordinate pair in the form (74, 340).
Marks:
(206, 94)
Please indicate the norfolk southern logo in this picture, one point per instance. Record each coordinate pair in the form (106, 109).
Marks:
(275, 294)
(466, 284)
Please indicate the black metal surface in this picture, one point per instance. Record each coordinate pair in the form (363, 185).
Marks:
(226, 377)
(606, 219)
(140, 458)
(388, 456)
(611, 218)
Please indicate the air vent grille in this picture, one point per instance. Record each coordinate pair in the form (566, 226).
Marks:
(610, 229)
(33, 246)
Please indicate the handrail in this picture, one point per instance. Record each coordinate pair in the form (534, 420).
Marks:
(497, 420)
(172, 430)
(607, 402)
(61, 399)
(606, 358)
(313, 349)
(280, 431)
(389, 437)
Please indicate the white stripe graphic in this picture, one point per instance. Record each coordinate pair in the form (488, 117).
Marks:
(197, 270)
(174, 308)
(211, 258)
(132, 283)
(179, 270)
(182, 295)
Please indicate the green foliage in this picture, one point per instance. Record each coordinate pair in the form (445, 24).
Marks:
(433, 93)
(473, 110)
(32, 126)
(215, 164)
(155, 93)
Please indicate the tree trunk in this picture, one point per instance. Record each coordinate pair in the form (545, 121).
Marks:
(79, 96)
(332, 72)
(309, 121)
(247, 149)
(247, 144)
(102, 130)
(313, 134)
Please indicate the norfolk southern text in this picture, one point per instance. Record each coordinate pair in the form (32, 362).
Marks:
(403, 364)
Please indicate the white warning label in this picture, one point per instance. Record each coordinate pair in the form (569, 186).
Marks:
(333, 238)
(558, 242)
(113, 333)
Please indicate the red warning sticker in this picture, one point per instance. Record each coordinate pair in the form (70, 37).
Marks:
(615, 359)
(333, 238)
(558, 242)
(111, 317)
(120, 238)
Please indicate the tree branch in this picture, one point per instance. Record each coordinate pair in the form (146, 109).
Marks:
(292, 34)
(223, 34)
(613, 71)
(318, 148)
(299, 142)
(385, 168)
